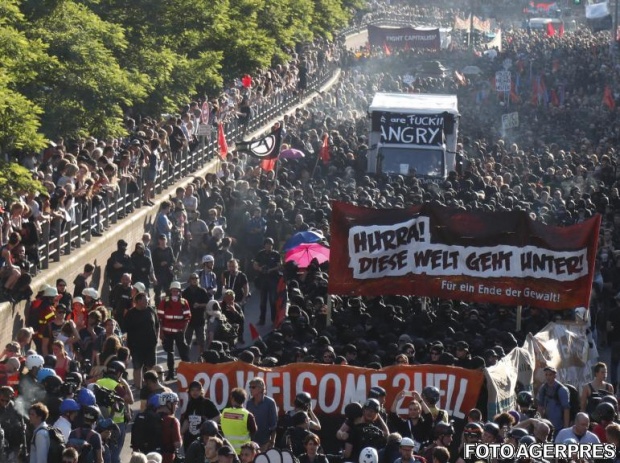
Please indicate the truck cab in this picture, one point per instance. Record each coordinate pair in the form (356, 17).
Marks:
(413, 134)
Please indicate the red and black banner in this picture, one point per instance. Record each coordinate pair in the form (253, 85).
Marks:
(434, 251)
(404, 37)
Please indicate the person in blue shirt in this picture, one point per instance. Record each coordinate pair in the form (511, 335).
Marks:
(553, 400)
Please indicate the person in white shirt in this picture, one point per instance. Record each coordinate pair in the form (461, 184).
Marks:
(40, 443)
(69, 409)
(578, 431)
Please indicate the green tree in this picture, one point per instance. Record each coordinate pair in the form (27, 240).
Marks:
(15, 180)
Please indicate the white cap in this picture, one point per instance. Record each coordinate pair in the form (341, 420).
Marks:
(407, 442)
(207, 258)
(175, 285)
(78, 299)
(91, 292)
(50, 292)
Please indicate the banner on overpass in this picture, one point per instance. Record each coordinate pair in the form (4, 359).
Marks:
(414, 38)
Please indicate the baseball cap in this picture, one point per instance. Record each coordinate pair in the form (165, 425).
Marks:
(407, 442)
(551, 369)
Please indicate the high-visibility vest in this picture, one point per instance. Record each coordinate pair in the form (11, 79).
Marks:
(110, 384)
(234, 423)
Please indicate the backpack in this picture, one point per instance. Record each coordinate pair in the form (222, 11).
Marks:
(595, 398)
(373, 437)
(574, 400)
(83, 446)
(225, 331)
(57, 444)
(146, 432)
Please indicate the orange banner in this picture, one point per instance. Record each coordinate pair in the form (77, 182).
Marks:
(334, 386)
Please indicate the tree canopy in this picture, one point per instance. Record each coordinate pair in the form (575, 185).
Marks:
(76, 67)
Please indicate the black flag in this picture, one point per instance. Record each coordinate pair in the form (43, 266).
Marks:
(267, 147)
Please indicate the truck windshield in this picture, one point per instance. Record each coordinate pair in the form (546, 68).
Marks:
(420, 162)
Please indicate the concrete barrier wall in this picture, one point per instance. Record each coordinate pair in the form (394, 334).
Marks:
(95, 252)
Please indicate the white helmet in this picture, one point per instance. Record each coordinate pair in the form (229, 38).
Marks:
(34, 361)
(78, 299)
(50, 292)
(369, 455)
(92, 292)
(168, 397)
(175, 285)
(208, 258)
(139, 287)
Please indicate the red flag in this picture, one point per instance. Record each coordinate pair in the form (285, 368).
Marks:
(386, 49)
(325, 150)
(254, 334)
(221, 141)
(608, 98)
(550, 30)
(561, 30)
(555, 100)
(281, 302)
(268, 164)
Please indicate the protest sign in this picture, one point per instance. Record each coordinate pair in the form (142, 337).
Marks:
(404, 37)
(516, 368)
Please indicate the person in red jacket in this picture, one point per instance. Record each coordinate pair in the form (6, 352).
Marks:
(174, 315)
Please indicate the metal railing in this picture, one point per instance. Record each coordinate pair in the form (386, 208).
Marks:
(61, 237)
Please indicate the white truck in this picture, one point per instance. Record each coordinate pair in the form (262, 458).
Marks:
(413, 134)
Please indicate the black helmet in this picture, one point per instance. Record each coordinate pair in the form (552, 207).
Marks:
(353, 411)
(376, 392)
(491, 428)
(49, 361)
(610, 399)
(372, 404)
(73, 377)
(517, 433)
(604, 411)
(209, 428)
(443, 429)
(91, 413)
(527, 440)
(303, 400)
(116, 366)
(430, 394)
(52, 384)
(473, 428)
(525, 399)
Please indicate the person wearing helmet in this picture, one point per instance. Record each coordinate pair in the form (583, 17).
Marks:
(369, 430)
(171, 439)
(113, 382)
(31, 390)
(578, 431)
(525, 406)
(78, 312)
(268, 264)
(207, 277)
(416, 425)
(491, 433)
(592, 392)
(430, 397)
(86, 434)
(13, 424)
(198, 409)
(69, 409)
(43, 314)
(443, 435)
(368, 455)
(407, 452)
(604, 414)
(514, 435)
(174, 316)
(472, 434)
(379, 393)
(303, 403)
(164, 261)
(92, 302)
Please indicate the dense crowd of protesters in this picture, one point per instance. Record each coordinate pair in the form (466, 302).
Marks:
(223, 234)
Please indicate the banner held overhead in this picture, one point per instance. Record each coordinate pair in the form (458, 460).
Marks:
(435, 251)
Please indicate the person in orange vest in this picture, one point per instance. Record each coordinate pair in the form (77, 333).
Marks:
(174, 316)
